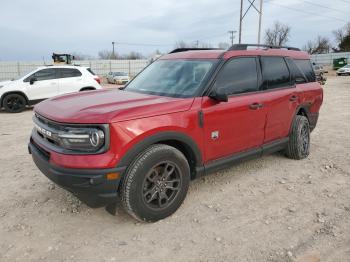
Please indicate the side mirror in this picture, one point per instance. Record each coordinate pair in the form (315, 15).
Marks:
(219, 96)
(32, 80)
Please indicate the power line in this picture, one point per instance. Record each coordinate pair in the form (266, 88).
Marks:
(306, 12)
(141, 44)
(326, 7)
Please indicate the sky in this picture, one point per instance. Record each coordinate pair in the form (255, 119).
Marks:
(33, 30)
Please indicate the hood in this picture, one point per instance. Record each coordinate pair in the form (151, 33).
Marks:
(3, 83)
(107, 106)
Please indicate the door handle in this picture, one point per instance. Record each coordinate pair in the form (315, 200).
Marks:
(293, 98)
(256, 106)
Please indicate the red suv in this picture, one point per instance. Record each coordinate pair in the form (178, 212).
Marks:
(189, 113)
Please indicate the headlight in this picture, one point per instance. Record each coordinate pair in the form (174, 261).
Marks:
(82, 139)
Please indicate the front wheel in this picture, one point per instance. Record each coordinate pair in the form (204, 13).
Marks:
(299, 139)
(156, 183)
(14, 103)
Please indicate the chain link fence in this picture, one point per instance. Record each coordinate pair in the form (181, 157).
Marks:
(10, 70)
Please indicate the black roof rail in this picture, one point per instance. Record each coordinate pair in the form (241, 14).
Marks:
(245, 47)
(178, 50)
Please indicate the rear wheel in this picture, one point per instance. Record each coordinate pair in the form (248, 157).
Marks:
(299, 139)
(14, 103)
(156, 183)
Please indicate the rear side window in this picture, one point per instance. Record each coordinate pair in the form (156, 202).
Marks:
(92, 72)
(69, 72)
(306, 67)
(239, 75)
(275, 72)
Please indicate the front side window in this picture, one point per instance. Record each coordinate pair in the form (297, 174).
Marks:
(44, 74)
(275, 72)
(238, 76)
(174, 78)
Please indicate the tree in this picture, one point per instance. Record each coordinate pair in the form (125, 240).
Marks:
(80, 56)
(320, 45)
(182, 44)
(344, 46)
(342, 38)
(277, 35)
(105, 54)
(223, 45)
(134, 56)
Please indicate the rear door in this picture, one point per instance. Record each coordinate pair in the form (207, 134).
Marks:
(44, 86)
(281, 96)
(71, 80)
(237, 125)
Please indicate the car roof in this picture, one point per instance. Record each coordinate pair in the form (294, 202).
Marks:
(227, 54)
(63, 66)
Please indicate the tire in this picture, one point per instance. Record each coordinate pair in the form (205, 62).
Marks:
(14, 103)
(299, 139)
(146, 193)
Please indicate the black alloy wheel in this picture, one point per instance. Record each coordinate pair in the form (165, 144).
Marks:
(161, 185)
(14, 103)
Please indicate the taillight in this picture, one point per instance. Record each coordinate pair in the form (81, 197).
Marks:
(97, 79)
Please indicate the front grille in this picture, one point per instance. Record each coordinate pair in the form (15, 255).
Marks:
(47, 130)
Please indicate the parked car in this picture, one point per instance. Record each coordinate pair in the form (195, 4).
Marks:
(345, 70)
(319, 70)
(45, 82)
(187, 114)
(119, 78)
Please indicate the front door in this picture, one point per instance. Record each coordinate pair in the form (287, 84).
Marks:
(44, 84)
(237, 125)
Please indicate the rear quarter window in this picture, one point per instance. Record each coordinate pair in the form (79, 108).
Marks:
(307, 69)
(92, 72)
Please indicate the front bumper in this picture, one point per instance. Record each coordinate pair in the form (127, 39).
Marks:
(89, 185)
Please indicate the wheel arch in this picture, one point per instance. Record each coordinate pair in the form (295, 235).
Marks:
(87, 88)
(13, 92)
(180, 141)
(302, 110)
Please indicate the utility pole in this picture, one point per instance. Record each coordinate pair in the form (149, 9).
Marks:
(260, 16)
(240, 23)
(241, 17)
(232, 37)
(113, 50)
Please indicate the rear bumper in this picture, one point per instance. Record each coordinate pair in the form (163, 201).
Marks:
(89, 185)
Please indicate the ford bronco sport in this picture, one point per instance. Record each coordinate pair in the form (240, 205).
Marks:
(189, 113)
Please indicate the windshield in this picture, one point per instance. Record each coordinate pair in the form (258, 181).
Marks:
(347, 66)
(175, 78)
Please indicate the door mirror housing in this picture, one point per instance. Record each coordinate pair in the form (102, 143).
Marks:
(32, 80)
(299, 80)
(219, 96)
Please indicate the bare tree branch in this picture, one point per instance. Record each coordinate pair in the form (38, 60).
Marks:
(277, 35)
(320, 45)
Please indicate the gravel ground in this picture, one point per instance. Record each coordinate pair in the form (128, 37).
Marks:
(268, 209)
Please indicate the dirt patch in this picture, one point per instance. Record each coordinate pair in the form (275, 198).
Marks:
(268, 209)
